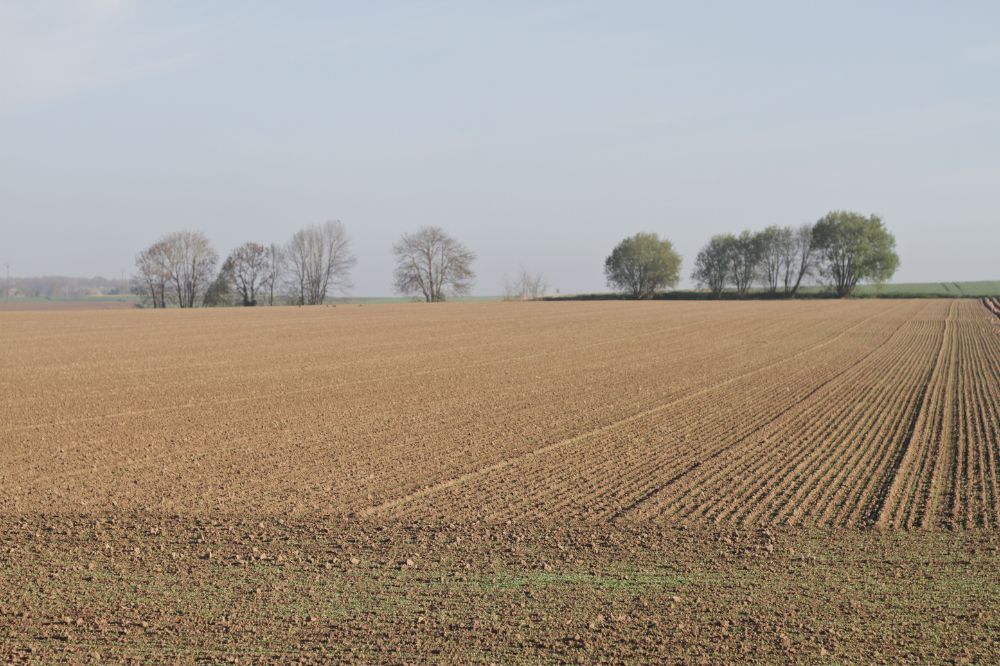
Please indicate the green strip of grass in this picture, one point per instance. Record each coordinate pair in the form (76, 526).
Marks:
(901, 290)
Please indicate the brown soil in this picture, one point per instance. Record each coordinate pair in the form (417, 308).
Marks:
(650, 482)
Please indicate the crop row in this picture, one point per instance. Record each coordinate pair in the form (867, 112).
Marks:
(891, 421)
(642, 463)
(817, 413)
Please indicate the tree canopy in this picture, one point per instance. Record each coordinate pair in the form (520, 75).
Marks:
(712, 265)
(432, 264)
(320, 260)
(642, 265)
(248, 267)
(745, 256)
(853, 248)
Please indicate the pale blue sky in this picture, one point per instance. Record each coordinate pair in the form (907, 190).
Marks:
(538, 133)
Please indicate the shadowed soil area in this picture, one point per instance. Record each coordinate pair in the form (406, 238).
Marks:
(159, 588)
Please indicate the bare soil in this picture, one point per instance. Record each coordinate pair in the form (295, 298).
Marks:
(498, 482)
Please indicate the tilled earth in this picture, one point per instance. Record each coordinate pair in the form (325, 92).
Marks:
(594, 482)
(167, 588)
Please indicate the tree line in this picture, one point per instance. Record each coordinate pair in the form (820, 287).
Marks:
(182, 268)
(842, 249)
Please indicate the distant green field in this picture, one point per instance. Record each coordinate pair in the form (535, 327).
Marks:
(901, 290)
(925, 290)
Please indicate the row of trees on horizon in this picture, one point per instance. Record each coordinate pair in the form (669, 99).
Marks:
(842, 249)
(182, 268)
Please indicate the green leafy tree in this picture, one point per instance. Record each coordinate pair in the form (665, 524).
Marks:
(220, 291)
(642, 265)
(853, 248)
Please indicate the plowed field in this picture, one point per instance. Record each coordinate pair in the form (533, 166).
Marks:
(492, 481)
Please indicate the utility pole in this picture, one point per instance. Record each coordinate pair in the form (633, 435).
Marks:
(6, 287)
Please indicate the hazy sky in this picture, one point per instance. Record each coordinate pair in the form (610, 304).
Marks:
(538, 133)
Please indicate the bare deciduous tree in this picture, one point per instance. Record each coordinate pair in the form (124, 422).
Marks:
(774, 247)
(275, 269)
(432, 264)
(249, 267)
(712, 265)
(799, 259)
(153, 274)
(526, 286)
(744, 261)
(320, 261)
(191, 262)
